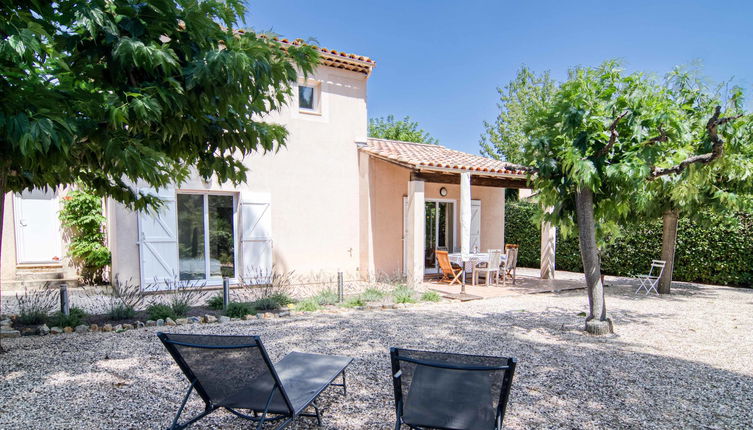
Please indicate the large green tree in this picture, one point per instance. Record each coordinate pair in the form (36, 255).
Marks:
(504, 138)
(405, 129)
(604, 134)
(106, 93)
(724, 186)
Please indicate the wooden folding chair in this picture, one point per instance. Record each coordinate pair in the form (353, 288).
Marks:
(449, 273)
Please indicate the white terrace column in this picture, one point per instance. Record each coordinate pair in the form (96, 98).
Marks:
(414, 238)
(465, 215)
(548, 241)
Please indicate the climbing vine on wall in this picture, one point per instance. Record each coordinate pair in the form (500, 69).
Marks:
(83, 216)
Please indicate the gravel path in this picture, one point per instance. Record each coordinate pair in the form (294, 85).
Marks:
(677, 362)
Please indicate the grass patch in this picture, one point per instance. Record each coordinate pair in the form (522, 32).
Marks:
(404, 294)
(372, 295)
(282, 299)
(430, 296)
(308, 305)
(326, 297)
(354, 302)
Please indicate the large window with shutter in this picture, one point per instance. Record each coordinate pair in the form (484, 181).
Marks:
(206, 236)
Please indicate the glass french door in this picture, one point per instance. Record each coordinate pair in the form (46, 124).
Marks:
(206, 236)
(440, 231)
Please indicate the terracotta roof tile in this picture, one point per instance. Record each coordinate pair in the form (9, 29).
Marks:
(419, 155)
(331, 57)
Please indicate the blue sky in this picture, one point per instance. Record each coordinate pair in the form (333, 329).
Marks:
(440, 62)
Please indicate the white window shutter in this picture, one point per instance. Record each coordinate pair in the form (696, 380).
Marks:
(476, 225)
(158, 242)
(256, 236)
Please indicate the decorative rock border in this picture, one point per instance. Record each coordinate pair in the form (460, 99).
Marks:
(7, 330)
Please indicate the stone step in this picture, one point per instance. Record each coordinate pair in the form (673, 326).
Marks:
(38, 274)
(12, 287)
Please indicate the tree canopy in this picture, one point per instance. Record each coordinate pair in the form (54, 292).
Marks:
(108, 93)
(404, 129)
(602, 137)
(504, 138)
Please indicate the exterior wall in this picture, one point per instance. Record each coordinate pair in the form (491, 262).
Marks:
(390, 185)
(313, 183)
(9, 263)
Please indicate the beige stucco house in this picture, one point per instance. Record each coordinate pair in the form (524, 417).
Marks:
(331, 200)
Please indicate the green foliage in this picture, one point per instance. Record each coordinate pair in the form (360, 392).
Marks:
(282, 299)
(180, 308)
(160, 311)
(326, 297)
(372, 295)
(76, 316)
(430, 296)
(215, 302)
(265, 304)
(404, 294)
(35, 305)
(308, 305)
(609, 131)
(105, 93)
(82, 214)
(404, 129)
(239, 309)
(119, 311)
(712, 248)
(354, 302)
(32, 317)
(505, 137)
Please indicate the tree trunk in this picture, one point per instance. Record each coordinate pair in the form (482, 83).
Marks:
(668, 245)
(597, 321)
(3, 179)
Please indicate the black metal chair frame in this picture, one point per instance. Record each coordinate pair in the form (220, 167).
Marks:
(260, 417)
(397, 382)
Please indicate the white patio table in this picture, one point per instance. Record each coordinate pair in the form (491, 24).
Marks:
(475, 258)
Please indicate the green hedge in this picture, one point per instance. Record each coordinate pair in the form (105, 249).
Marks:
(716, 250)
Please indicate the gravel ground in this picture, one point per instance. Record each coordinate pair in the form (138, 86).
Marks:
(678, 362)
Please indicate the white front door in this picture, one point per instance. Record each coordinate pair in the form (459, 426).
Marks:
(37, 227)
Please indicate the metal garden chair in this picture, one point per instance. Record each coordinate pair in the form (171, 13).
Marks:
(235, 372)
(450, 391)
(650, 281)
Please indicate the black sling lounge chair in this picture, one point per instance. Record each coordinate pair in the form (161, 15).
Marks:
(235, 372)
(450, 391)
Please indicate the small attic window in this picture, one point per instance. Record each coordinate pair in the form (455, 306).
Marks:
(308, 98)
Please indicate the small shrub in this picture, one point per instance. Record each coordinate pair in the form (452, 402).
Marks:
(216, 302)
(430, 296)
(282, 299)
(180, 308)
(75, 317)
(265, 304)
(354, 302)
(308, 305)
(404, 294)
(159, 311)
(239, 309)
(326, 297)
(32, 317)
(35, 305)
(120, 311)
(372, 295)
